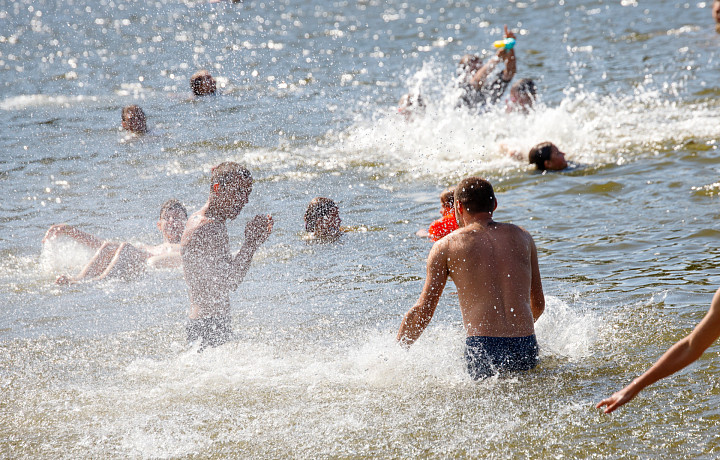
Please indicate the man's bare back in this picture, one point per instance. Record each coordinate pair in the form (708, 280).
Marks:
(492, 267)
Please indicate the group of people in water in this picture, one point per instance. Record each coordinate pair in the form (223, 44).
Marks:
(493, 265)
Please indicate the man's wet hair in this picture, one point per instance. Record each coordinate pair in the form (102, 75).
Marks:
(475, 195)
(229, 172)
(172, 205)
(134, 119)
(539, 154)
(317, 209)
(447, 198)
(525, 86)
(198, 83)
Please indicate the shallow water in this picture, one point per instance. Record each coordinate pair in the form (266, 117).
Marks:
(627, 237)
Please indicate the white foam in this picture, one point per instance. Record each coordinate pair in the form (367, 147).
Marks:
(27, 101)
(64, 255)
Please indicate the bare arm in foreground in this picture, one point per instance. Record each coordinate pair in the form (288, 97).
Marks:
(419, 316)
(677, 357)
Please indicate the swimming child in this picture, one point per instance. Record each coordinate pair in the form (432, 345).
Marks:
(202, 83)
(133, 119)
(122, 259)
(547, 157)
(445, 225)
(322, 219)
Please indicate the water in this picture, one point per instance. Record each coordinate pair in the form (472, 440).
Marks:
(627, 238)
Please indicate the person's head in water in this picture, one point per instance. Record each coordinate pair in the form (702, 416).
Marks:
(230, 189)
(202, 83)
(473, 196)
(411, 104)
(173, 217)
(447, 200)
(716, 14)
(522, 95)
(546, 156)
(133, 119)
(322, 217)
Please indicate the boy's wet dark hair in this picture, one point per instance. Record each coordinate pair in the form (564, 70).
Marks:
(229, 172)
(172, 205)
(475, 195)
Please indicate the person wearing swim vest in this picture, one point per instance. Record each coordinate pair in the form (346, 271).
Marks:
(494, 267)
(447, 224)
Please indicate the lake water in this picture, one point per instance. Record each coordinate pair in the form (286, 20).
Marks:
(627, 238)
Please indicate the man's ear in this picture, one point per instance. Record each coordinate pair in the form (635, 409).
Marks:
(495, 207)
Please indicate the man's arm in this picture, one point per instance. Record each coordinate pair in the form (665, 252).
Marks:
(479, 79)
(537, 297)
(78, 235)
(419, 316)
(677, 357)
(256, 232)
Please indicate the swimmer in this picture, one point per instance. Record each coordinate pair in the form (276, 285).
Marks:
(410, 105)
(547, 157)
(680, 355)
(522, 96)
(322, 219)
(211, 271)
(202, 83)
(133, 119)
(122, 259)
(716, 14)
(476, 91)
(495, 269)
(445, 225)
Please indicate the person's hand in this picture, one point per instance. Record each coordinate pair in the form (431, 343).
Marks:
(616, 400)
(55, 231)
(258, 229)
(508, 33)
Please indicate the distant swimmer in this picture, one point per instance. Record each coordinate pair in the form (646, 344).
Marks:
(411, 105)
(322, 219)
(122, 259)
(716, 14)
(211, 271)
(547, 157)
(522, 96)
(495, 269)
(477, 92)
(445, 225)
(683, 353)
(133, 119)
(202, 83)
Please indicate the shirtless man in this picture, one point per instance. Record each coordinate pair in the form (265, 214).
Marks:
(122, 259)
(211, 271)
(495, 269)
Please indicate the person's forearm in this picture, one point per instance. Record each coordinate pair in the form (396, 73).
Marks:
(412, 326)
(241, 264)
(510, 68)
(677, 357)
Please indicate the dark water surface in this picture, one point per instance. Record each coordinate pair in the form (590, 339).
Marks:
(627, 238)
